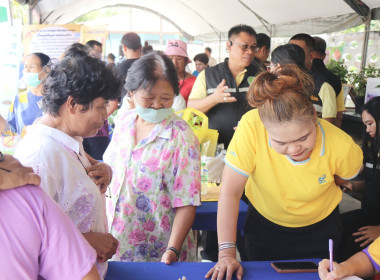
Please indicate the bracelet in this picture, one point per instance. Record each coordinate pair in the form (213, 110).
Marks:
(1, 156)
(226, 245)
(174, 250)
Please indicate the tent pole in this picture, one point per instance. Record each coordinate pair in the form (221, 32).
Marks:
(365, 43)
(220, 45)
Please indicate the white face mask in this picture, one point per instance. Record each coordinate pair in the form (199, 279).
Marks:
(153, 115)
(31, 79)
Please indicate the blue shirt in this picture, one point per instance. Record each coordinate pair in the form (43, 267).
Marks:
(24, 110)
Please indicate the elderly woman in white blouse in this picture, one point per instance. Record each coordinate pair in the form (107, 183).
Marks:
(77, 90)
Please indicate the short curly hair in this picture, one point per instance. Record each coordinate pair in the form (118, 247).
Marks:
(84, 78)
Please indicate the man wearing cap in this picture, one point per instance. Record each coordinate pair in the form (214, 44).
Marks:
(177, 51)
(220, 92)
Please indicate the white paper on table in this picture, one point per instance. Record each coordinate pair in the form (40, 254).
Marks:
(352, 278)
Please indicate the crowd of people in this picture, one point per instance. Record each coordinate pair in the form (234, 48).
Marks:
(133, 197)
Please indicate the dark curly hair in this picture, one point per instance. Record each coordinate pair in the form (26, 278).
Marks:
(76, 49)
(150, 68)
(84, 78)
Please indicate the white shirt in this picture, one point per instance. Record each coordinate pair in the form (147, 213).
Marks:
(60, 161)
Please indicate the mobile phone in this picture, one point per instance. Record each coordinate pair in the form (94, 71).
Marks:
(295, 267)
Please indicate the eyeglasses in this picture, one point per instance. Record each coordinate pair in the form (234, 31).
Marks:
(245, 47)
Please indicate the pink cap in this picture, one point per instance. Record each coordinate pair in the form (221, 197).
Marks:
(177, 47)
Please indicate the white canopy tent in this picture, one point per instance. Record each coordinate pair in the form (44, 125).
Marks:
(211, 19)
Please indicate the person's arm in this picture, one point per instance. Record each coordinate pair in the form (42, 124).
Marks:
(13, 174)
(104, 244)
(358, 265)
(354, 186)
(233, 185)
(210, 101)
(183, 220)
(92, 274)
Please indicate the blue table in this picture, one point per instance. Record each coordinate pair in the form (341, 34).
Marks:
(197, 271)
(205, 218)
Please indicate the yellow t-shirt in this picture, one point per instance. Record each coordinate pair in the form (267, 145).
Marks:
(373, 252)
(199, 89)
(340, 101)
(289, 193)
(329, 99)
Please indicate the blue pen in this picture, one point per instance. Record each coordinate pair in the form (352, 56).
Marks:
(331, 254)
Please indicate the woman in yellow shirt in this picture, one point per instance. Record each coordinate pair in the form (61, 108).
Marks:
(290, 164)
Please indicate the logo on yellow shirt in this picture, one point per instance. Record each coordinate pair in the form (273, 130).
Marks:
(322, 179)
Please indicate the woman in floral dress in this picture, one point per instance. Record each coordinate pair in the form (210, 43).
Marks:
(156, 163)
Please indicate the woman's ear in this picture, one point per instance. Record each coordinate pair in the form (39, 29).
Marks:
(70, 105)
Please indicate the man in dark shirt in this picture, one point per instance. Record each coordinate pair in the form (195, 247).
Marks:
(132, 51)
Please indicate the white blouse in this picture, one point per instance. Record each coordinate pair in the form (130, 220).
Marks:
(60, 161)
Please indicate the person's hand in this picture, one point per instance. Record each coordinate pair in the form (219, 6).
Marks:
(226, 266)
(220, 96)
(104, 244)
(169, 257)
(101, 174)
(324, 270)
(18, 175)
(347, 186)
(367, 235)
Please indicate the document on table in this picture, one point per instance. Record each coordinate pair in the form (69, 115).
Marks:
(352, 278)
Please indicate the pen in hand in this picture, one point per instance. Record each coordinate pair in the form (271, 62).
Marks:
(331, 254)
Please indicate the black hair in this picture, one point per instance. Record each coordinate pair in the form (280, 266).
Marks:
(371, 146)
(309, 41)
(131, 40)
(289, 54)
(202, 57)
(44, 59)
(237, 29)
(320, 45)
(76, 49)
(150, 68)
(93, 43)
(147, 48)
(111, 55)
(84, 78)
(208, 49)
(263, 40)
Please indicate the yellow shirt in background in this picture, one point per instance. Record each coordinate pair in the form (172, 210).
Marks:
(289, 193)
(199, 88)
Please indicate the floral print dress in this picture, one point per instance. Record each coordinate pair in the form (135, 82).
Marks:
(150, 180)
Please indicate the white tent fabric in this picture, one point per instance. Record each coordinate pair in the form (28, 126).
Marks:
(211, 19)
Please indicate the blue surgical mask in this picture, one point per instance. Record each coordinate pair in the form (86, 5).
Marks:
(153, 115)
(31, 79)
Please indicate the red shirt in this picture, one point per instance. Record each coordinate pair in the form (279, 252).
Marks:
(185, 87)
